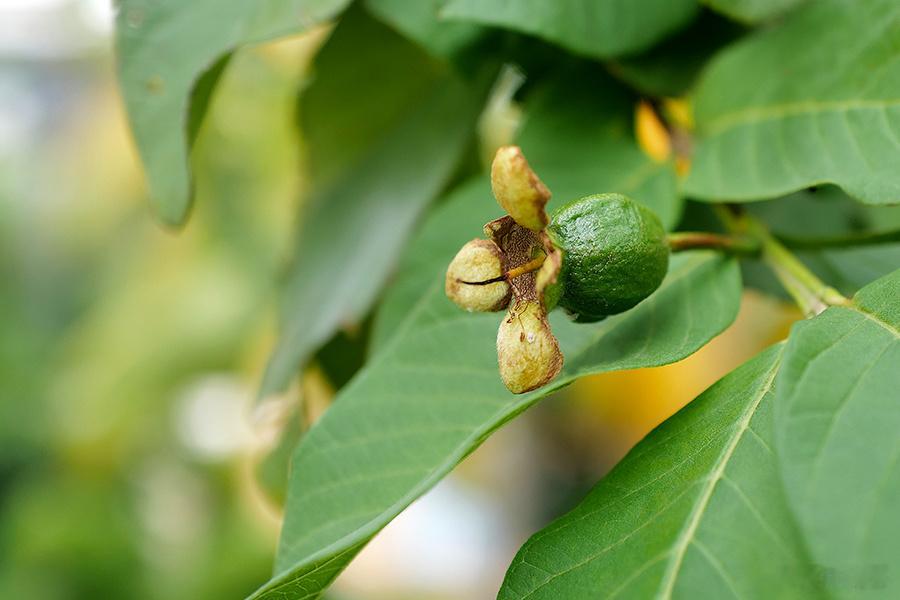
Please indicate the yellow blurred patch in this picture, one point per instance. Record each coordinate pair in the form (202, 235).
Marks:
(678, 112)
(652, 136)
(294, 52)
(628, 404)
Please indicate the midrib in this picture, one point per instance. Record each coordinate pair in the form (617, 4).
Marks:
(667, 584)
(760, 114)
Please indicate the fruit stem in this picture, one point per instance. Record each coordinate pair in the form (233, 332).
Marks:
(810, 293)
(691, 240)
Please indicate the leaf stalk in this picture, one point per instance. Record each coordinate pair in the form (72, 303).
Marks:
(810, 293)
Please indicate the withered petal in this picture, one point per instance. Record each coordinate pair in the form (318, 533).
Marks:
(518, 189)
(527, 351)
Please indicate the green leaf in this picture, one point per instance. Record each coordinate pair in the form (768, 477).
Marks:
(378, 164)
(836, 215)
(672, 67)
(597, 28)
(837, 438)
(579, 139)
(433, 394)
(752, 11)
(695, 510)
(419, 21)
(432, 245)
(363, 59)
(849, 269)
(814, 100)
(164, 50)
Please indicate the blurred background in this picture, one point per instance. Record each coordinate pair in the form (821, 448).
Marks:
(131, 462)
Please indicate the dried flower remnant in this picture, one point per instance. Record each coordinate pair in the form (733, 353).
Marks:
(475, 278)
(527, 350)
(521, 256)
(518, 189)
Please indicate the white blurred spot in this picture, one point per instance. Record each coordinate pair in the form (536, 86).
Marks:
(53, 29)
(98, 15)
(30, 5)
(173, 508)
(452, 542)
(211, 417)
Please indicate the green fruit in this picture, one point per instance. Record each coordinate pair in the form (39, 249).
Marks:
(614, 254)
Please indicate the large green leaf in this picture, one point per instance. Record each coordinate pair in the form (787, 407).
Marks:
(695, 510)
(598, 28)
(752, 11)
(579, 138)
(838, 419)
(419, 21)
(164, 49)
(380, 153)
(814, 100)
(433, 394)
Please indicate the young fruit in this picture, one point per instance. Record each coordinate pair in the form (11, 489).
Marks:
(614, 254)
(598, 256)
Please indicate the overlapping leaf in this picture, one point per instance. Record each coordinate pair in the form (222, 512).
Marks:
(814, 100)
(421, 22)
(847, 268)
(838, 420)
(753, 11)
(386, 129)
(433, 394)
(169, 48)
(695, 510)
(598, 28)
(365, 80)
(672, 67)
